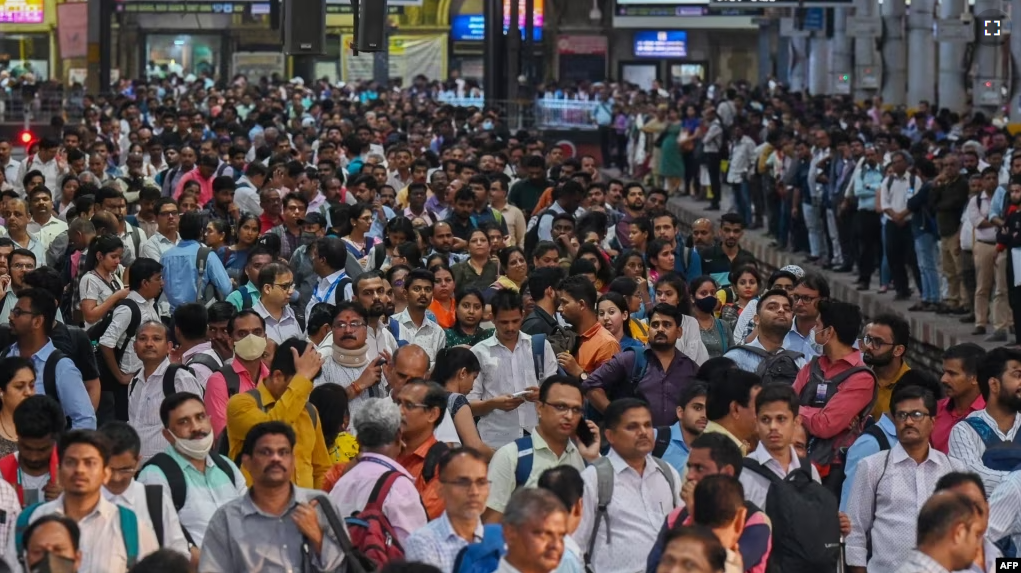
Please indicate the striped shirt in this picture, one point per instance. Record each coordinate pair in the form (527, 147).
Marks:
(206, 491)
(967, 446)
(144, 398)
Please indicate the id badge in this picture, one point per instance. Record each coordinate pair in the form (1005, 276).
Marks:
(820, 392)
(32, 496)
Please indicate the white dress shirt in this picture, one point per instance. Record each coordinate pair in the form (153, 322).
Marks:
(154, 247)
(144, 399)
(637, 510)
(891, 515)
(280, 330)
(46, 232)
(114, 335)
(896, 191)
(756, 487)
(134, 499)
(322, 292)
(52, 173)
(102, 542)
(506, 371)
(429, 336)
(967, 446)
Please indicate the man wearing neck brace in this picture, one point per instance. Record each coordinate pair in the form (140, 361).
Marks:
(354, 364)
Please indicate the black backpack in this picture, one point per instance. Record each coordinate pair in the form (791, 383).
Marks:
(206, 296)
(822, 451)
(169, 378)
(107, 380)
(776, 367)
(49, 373)
(805, 524)
(532, 236)
(178, 487)
(209, 362)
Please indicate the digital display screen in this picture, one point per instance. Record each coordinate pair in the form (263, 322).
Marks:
(662, 2)
(472, 27)
(661, 44)
(21, 11)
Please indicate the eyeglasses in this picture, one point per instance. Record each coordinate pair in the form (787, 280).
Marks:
(915, 415)
(16, 312)
(564, 408)
(23, 266)
(124, 471)
(803, 298)
(874, 342)
(465, 483)
(354, 325)
(168, 213)
(286, 286)
(411, 405)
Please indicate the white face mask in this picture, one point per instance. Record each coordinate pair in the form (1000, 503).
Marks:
(194, 449)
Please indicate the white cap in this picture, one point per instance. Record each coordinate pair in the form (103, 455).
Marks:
(296, 80)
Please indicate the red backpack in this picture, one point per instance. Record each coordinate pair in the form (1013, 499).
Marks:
(370, 531)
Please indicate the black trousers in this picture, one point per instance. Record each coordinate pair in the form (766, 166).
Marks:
(755, 188)
(1014, 298)
(848, 235)
(712, 163)
(900, 253)
(868, 227)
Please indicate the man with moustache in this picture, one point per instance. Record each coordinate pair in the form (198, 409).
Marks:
(353, 365)
(20, 262)
(370, 290)
(702, 234)
(634, 207)
(963, 394)
(884, 346)
(718, 259)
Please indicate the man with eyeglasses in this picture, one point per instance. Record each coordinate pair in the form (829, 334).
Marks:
(884, 346)
(20, 262)
(276, 283)
(353, 364)
(894, 485)
(423, 405)
(811, 289)
(463, 489)
(555, 442)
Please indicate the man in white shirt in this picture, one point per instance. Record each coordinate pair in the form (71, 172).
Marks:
(742, 165)
(165, 238)
(353, 364)
(47, 162)
(506, 390)
(156, 380)
(84, 467)
(329, 257)
(999, 380)
(369, 290)
(44, 223)
(7, 163)
(950, 533)
(415, 327)
(151, 503)
(109, 199)
(194, 350)
(893, 200)
(890, 487)
(645, 491)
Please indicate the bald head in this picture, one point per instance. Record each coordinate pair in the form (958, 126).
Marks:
(408, 362)
(702, 233)
(951, 521)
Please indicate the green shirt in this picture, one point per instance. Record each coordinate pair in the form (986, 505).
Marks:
(238, 301)
(455, 337)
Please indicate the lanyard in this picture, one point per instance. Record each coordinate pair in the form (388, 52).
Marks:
(380, 462)
(329, 291)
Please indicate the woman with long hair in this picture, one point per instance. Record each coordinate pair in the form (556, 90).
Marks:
(101, 287)
(398, 232)
(334, 416)
(69, 187)
(604, 273)
(640, 233)
(745, 282)
(442, 308)
(17, 382)
(631, 293)
(659, 255)
(357, 240)
(456, 369)
(235, 257)
(716, 334)
(631, 264)
(515, 270)
(395, 276)
(469, 309)
(671, 289)
(478, 271)
(615, 316)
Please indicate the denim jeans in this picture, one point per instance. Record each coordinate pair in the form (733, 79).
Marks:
(884, 269)
(927, 251)
(743, 201)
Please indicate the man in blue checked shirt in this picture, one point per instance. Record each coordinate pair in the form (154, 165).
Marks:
(181, 283)
(31, 321)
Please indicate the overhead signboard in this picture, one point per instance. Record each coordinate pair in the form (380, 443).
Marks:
(206, 7)
(663, 2)
(661, 44)
(759, 4)
(21, 11)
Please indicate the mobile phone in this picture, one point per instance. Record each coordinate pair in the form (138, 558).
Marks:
(381, 361)
(520, 394)
(584, 433)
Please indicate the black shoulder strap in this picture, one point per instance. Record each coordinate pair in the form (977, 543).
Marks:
(169, 377)
(756, 467)
(154, 502)
(662, 441)
(232, 380)
(50, 374)
(175, 477)
(432, 460)
(133, 323)
(225, 467)
(876, 432)
(205, 360)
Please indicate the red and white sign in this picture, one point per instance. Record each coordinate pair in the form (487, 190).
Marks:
(582, 45)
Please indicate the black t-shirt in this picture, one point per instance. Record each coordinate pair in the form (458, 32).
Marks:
(75, 344)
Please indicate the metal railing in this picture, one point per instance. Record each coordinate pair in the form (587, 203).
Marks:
(565, 113)
(40, 104)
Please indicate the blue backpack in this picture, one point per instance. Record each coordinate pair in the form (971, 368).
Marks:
(129, 531)
(395, 329)
(999, 456)
(484, 556)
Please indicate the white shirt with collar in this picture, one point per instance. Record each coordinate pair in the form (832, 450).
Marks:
(429, 336)
(756, 487)
(966, 446)
(895, 192)
(48, 231)
(127, 237)
(102, 541)
(52, 173)
(114, 335)
(144, 399)
(282, 329)
(154, 247)
(506, 371)
(891, 515)
(134, 498)
(11, 172)
(637, 510)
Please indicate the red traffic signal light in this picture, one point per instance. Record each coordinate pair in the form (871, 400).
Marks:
(26, 137)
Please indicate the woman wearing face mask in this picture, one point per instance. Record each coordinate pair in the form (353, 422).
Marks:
(716, 334)
(17, 382)
(466, 331)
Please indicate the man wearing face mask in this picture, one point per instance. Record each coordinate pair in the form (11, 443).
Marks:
(354, 365)
(198, 480)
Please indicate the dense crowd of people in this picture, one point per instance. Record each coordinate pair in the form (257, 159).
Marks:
(264, 327)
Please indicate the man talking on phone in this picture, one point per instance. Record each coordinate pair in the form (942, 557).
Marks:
(562, 437)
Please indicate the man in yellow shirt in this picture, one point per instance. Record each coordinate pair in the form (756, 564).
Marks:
(283, 396)
(884, 345)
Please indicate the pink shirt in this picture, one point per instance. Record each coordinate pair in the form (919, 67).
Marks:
(402, 506)
(946, 417)
(216, 393)
(834, 419)
(205, 186)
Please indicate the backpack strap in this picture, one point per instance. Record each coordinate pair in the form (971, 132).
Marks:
(760, 352)
(174, 476)
(395, 330)
(154, 503)
(639, 367)
(432, 460)
(381, 490)
(129, 531)
(50, 374)
(133, 323)
(840, 378)
(989, 438)
(225, 467)
(876, 432)
(136, 239)
(232, 380)
(24, 520)
(205, 360)
(351, 558)
(759, 469)
(538, 355)
(662, 441)
(200, 264)
(246, 297)
(526, 456)
(604, 489)
(669, 475)
(170, 378)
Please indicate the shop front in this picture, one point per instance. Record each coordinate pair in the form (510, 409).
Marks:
(27, 37)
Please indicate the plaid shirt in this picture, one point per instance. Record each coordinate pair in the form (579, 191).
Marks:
(437, 544)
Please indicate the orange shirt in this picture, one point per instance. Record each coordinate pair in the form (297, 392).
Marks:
(414, 462)
(597, 346)
(545, 202)
(445, 317)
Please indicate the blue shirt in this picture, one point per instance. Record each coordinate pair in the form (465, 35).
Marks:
(180, 274)
(862, 448)
(865, 185)
(71, 393)
(376, 230)
(804, 344)
(676, 453)
(999, 202)
(749, 362)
